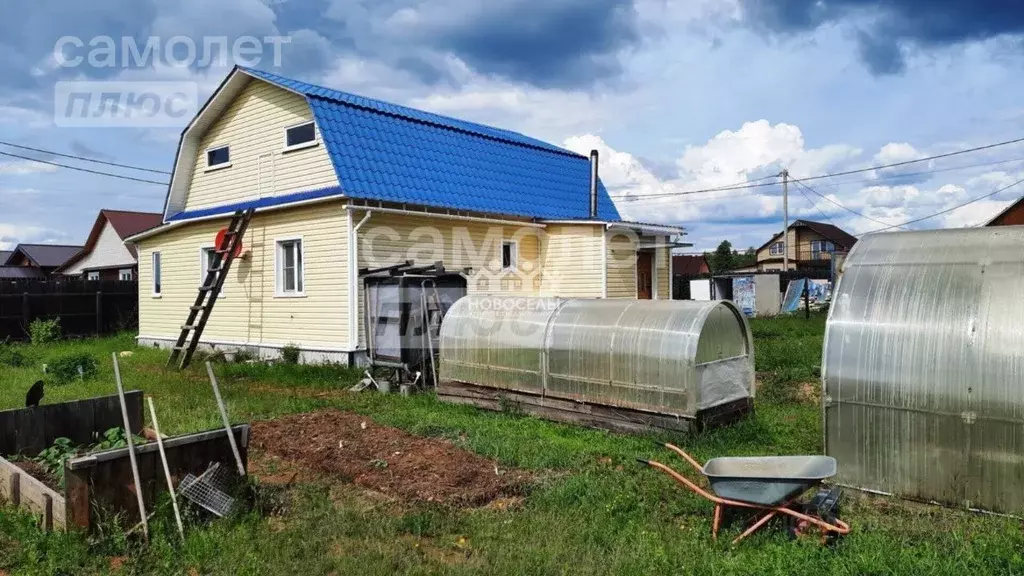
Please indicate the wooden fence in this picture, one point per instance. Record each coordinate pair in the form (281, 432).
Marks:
(85, 308)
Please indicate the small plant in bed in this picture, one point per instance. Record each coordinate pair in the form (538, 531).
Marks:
(70, 367)
(52, 459)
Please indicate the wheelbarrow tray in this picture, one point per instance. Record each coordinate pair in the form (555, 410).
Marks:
(769, 480)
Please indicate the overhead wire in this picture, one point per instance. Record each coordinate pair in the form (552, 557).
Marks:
(84, 158)
(948, 210)
(841, 205)
(80, 169)
(755, 184)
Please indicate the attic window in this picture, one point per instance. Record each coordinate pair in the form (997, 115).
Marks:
(776, 249)
(218, 157)
(301, 136)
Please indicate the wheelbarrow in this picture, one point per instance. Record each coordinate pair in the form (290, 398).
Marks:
(772, 484)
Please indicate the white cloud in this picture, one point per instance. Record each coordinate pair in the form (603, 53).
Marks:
(24, 117)
(974, 214)
(13, 234)
(14, 167)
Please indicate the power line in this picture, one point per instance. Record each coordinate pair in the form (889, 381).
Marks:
(844, 173)
(948, 210)
(843, 206)
(815, 206)
(84, 159)
(121, 176)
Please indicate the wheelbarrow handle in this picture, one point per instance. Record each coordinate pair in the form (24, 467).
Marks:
(693, 462)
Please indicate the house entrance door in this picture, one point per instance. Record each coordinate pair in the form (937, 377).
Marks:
(644, 275)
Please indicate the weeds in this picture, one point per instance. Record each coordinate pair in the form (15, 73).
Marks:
(74, 366)
(44, 331)
(290, 354)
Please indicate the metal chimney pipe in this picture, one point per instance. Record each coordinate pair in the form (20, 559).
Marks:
(593, 184)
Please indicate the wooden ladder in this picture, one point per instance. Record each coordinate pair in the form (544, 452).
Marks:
(200, 311)
(430, 303)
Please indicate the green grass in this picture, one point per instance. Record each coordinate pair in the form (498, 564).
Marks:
(587, 515)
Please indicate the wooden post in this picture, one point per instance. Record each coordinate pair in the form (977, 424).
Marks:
(47, 513)
(15, 489)
(76, 507)
(99, 312)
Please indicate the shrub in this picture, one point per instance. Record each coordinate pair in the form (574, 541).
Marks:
(290, 354)
(64, 368)
(242, 355)
(44, 331)
(11, 356)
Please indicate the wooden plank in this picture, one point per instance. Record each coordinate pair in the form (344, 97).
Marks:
(14, 493)
(593, 415)
(241, 431)
(36, 497)
(76, 489)
(30, 424)
(29, 430)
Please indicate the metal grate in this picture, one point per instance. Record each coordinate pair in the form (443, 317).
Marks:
(209, 490)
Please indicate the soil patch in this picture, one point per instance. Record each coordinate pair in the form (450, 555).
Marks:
(385, 459)
(36, 470)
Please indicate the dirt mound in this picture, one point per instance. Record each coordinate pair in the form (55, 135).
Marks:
(385, 459)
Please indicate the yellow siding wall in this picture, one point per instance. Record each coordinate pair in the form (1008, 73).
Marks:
(253, 126)
(387, 239)
(573, 263)
(248, 311)
(621, 265)
(663, 262)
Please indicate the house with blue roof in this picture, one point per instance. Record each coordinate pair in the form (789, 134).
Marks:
(342, 183)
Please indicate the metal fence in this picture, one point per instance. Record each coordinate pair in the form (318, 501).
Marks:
(85, 308)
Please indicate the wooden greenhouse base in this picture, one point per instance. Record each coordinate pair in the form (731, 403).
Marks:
(594, 415)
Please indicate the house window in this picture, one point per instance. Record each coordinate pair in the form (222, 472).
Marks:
(289, 268)
(92, 275)
(218, 157)
(508, 255)
(777, 249)
(208, 259)
(124, 274)
(300, 136)
(156, 274)
(822, 246)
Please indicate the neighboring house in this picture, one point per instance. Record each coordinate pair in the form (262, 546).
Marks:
(105, 255)
(690, 265)
(38, 260)
(341, 183)
(1012, 216)
(811, 245)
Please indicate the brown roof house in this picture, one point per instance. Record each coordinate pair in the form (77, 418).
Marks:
(1012, 216)
(811, 245)
(105, 255)
(689, 265)
(36, 260)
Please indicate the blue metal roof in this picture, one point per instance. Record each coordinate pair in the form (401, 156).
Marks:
(392, 153)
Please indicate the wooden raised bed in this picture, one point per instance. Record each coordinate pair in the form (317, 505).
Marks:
(28, 431)
(100, 481)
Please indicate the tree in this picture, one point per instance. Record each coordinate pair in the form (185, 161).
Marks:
(723, 258)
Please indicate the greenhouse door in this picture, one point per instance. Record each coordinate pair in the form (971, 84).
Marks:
(644, 275)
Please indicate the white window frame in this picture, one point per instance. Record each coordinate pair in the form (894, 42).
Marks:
(781, 248)
(279, 291)
(92, 275)
(513, 255)
(203, 268)
(823, 246)
(121, 274)
(314, 142)
(156, 274)
(221, 166)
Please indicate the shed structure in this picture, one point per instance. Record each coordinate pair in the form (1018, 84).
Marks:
(623, 364)
(923, 367)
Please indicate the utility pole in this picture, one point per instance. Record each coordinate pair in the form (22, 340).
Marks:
(785, 216)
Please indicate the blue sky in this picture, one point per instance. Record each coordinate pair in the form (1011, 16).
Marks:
(677, 96)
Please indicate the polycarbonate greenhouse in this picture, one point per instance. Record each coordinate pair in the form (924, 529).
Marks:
(649, 362)
(923, 367)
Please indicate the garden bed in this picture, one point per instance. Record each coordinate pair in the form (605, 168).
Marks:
(385, 459)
